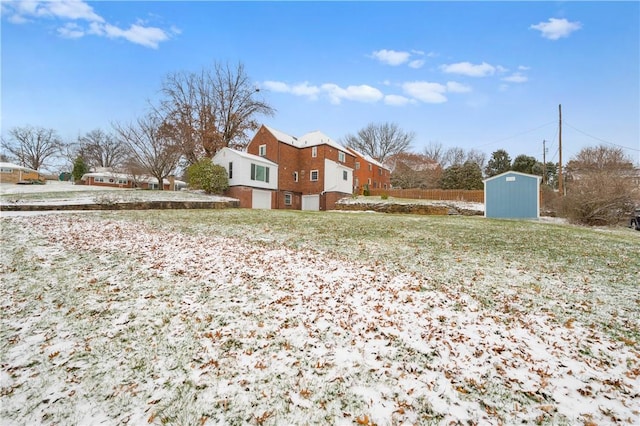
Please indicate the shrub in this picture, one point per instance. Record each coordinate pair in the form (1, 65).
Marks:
(384, 196)
(208, 176)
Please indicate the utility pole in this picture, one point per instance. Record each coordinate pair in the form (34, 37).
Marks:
(560, 178)
(544, 162)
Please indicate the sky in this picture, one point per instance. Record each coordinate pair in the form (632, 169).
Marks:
(475, 75)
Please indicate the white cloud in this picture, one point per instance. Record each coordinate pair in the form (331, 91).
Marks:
(432, 93)
(71, 30)
(556, 28)
(397, 100)
(391, 57)
(418, 63)
(471, 70)
(524, 68)
(276, 86)
(73, 11)
(516, 77)
(300, 89)
(455, 87)
(362, 93)
(144, 36)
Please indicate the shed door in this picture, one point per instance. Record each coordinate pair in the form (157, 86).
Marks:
(311, 202)
(260, 199)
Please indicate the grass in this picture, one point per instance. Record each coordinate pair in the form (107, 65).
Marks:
(280, 317)
(571, 271)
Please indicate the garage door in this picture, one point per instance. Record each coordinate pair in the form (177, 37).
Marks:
(260, 199)
(311, 202)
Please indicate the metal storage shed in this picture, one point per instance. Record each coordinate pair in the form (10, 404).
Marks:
(512, 195)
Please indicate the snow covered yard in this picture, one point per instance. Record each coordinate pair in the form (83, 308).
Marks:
(254, 317)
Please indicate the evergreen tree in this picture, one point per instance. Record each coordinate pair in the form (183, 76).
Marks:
(499, 162)
(207, 176)
(79, 168)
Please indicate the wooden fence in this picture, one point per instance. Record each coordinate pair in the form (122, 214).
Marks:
(475, 196)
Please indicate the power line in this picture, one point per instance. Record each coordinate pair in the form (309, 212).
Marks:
(600, 139)
(516, 135)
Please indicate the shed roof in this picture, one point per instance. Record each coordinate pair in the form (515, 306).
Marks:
(512, 173)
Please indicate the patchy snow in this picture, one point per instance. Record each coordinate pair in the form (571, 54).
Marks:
(460, 205)
(112, 322)
(57, 193)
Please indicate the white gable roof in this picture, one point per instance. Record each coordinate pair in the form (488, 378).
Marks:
(318, 138)
(281, 136)
(511, 172)
(16, 167)
(369, 158)
(244, 155)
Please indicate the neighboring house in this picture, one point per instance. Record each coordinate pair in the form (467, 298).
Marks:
(314, 171)
(369, 173)
(106, 177)
(512, 195)
(252, 179)
(13, 173)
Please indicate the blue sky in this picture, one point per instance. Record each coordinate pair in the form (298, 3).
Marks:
(475, 75)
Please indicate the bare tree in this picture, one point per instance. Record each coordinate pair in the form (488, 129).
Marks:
(380, 141)
(150, 146)
(410, 170)
(455, 156)
(434, 151)
(212, 109)
(33, 146)
(600, 188)
(100, 149)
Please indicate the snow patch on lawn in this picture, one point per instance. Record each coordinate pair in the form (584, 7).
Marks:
(114, 322)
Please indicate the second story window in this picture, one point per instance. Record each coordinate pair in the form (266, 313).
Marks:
(380, 172)
(262, 150)
(295, 176)
(314, 151)
(357, 165)
(370, 167)
(314, 175)
(230, 169)
(341, 156)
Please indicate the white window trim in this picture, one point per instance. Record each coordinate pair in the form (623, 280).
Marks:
(262, 150)
(295, 176)
(317, 175)
(341, 157)
(314, 151)
(289, 196)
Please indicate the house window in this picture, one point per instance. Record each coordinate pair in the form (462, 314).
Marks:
(375, 185)
(3, 170)
(295, 176)
(122, 181)
(98, 179)
(260, 173)
(345, 175)
(287, 199)
(262, 150)
(314, 151)
(379, 172)
(314, 175)
(341, 156)
(369, 181)
(357, 165)
(230, 169)
(370, 167)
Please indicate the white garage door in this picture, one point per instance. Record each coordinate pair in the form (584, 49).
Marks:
(311, 202)
(261, 199)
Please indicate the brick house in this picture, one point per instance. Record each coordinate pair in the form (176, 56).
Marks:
(252, 179)
(108, 178)
(369, 173)
(314, 171)
(13, 173)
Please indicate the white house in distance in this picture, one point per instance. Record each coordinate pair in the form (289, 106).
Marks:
(252, 179)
